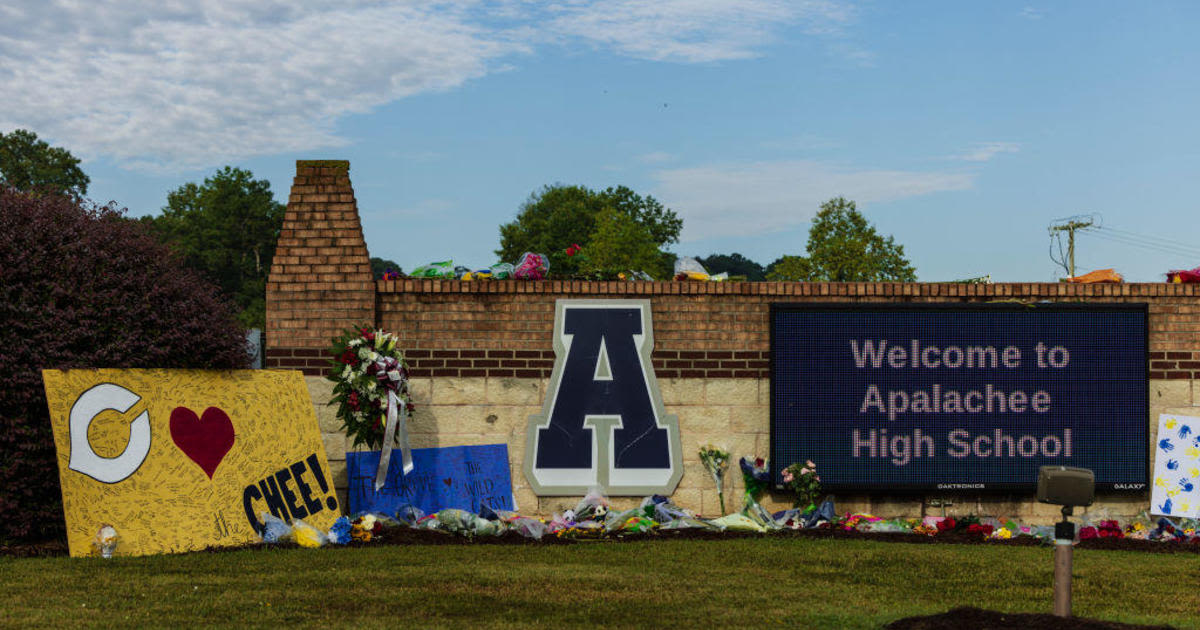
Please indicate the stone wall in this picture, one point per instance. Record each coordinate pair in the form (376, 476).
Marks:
(481, 352)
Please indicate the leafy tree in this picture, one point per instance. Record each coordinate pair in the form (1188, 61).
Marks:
(380, 265)
(619, 244)
(227, 228)
(29, 164)
(844, 247)
(559, 216)
(735, 264)
(81, 288)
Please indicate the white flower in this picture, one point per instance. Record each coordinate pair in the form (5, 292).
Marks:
(371, 385)
(365, 353)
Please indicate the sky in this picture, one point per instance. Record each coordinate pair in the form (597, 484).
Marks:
(962, 129)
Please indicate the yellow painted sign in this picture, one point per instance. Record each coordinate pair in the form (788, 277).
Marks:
(180, 460)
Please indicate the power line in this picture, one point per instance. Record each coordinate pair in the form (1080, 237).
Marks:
(1147, 242)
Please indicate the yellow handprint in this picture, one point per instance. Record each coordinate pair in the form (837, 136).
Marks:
(1172, 493)
(1171, 423)
(1193, 452)
(1160, 482)
(1185, 507)
(1195, 472)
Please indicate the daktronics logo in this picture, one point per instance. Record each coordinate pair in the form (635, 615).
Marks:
(961, 486)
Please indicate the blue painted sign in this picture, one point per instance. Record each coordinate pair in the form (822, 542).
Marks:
(959, 397)
(603, 424)
(463, 477)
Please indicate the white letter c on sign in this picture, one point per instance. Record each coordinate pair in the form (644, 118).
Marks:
(84, 459)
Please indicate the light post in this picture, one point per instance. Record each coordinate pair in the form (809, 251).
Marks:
(1068, 487)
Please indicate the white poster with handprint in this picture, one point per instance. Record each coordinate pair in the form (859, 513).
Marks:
(1177, 467)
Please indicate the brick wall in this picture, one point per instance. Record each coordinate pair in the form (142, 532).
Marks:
(481, 352)
(320, 281)
(713, 330)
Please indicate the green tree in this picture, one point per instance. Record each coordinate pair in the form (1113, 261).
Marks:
(226, 228)
(734, 264)
(619, 244)
(380, 265)
(559, 216)
(844, 247)
(29, 164)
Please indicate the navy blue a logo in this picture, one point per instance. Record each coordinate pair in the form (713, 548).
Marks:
(603, 422)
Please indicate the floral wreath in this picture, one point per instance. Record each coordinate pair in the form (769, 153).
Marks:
(366, 367)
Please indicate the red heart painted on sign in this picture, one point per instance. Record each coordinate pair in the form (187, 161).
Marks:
(447, 481)
(205, 440)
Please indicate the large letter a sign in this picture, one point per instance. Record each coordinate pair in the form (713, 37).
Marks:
(603, 422)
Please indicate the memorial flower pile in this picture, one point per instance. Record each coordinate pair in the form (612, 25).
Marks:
(366, 368)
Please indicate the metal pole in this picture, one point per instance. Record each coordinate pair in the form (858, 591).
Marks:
(1064, 549)
(1063, 552)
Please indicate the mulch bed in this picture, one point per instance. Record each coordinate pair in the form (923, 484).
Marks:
(406, 536)
(979, 619)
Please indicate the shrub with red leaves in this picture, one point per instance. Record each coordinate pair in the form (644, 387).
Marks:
(82, 287)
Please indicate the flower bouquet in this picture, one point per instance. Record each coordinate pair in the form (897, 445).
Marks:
(366, 368)
(716, 460)
(804, 481)
(756, 477)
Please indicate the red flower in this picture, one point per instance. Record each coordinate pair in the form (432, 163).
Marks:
(1088, 533)
(977, 529)
(348, 357)
(946, 525)
(352, 400)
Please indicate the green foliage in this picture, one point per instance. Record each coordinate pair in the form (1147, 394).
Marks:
(226, 228)
(29, 164)
(380, 265)
(619, 244)
(844, 247)
(558, 216)
(734, 264)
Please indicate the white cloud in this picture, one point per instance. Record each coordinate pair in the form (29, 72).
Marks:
(179, 84)
(985, 151)
(1032, 13)
(692, 30)
(189, 84)
(764, 197)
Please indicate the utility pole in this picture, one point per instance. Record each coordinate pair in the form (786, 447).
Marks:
(1069, 227)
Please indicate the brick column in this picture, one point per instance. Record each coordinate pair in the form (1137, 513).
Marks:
(321, 281)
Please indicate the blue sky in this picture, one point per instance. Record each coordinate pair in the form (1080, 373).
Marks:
(963, 129)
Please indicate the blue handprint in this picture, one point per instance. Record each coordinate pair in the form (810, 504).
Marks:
(1165, 508)
(1184, 431)
(1166, 445)
(1196, 442)
(1172, 464)
(1186, 485)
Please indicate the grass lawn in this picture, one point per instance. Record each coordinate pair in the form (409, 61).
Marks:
(738, 583)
